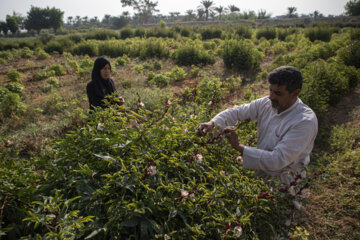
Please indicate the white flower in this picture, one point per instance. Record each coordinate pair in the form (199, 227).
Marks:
(167, 237)
(297, 205)
(199, 158)
(168, 102)
(100, 127)
(291, 191)
(141, 104)
(239, 160)
(210, 103)
(222, 172)
(288, 222)
(303, 174)
(192, 196)
(184, 193)
(152, 170)
(186, 130)
(303, 193)
(237, 231)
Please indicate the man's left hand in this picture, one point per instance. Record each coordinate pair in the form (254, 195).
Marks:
(232, 137)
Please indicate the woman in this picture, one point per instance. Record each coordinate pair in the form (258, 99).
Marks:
(101, 84)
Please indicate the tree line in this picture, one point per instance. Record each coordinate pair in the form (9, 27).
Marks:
(144, 12)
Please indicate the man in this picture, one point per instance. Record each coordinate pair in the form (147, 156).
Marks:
(287, 128)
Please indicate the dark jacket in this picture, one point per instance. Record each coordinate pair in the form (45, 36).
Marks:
(99, 88)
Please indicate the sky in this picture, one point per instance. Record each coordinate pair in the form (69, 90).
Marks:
(99, 8)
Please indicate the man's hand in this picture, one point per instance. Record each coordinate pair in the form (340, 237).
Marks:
(121, 101)
(232, 136)
(204, 128)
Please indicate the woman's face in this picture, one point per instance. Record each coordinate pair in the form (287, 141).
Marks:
(105, 72)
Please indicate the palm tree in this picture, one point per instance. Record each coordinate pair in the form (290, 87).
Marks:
(220, 10)
(316, 14)
(262, 14)
(190, 14)
(70, 18)
(206, 6)
(233, 8)
(291, 12)
(200, 13)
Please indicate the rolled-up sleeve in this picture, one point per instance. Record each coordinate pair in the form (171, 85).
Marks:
(295, 145)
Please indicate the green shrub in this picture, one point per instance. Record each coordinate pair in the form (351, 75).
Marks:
(85, 48)
(185, 32)
(126, 33)
(139, 32)
(2, 61)
(153, 48)
(157, 65)
(319, 33)
(350, 54)
(177, 73)
(114, 48)
(42, 55)
(10, 104)
(232, 84)
(266, 32)
(57, 68)
(241, 55)
(50, 83)
(209, 45)
(159, 80)
(210, 33)
(14, 87)
(54, 104)
(54, 47)
(6, 55)
(104, 34)
(282, 33)
(76, 37)
(244, 31)
(122, 61)
(210, 90)
(43, 74)
(190, 54)
(26, 53)
(15, 76)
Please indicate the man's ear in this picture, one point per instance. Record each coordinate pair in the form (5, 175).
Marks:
(296, 92)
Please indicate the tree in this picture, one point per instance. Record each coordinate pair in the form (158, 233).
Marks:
(352, 8)
(262, 14)
(12, 24)
(233, 8)
(190, 14)
(291, 12)
(3, 27)
(200, 13)
(42, 18)
(144, 8)
(206, 6)
(69, 20)
(220, 10)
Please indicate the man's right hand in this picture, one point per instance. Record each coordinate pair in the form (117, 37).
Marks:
(204, 128)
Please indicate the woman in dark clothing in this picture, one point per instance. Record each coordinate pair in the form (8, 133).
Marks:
(101, 84)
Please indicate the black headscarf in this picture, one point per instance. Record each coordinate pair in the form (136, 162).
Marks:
(98, 88)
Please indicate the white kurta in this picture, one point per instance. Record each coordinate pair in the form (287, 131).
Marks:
(285, 140)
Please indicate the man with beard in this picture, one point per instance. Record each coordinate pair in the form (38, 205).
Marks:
(287, 128)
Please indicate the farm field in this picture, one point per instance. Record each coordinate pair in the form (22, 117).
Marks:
(140, 171)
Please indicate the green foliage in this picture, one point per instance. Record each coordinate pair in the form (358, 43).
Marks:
(210, 33)
(352, 8)
(57, 68)
(122, 61)
(343, 138)
(282, 33)
(7, 55)
(153, 48)
(104, 34)
(244, 31)
(322, 33)
(54, 47)
(14, 87)
(114, 48)
(232, 84)
(210, 90)
(10, 104)
(86, 48)
(50, 83)
(26, 53)
(191, 54)
(266, 32)
(43, 74)
(42, 55)
(350, 54)
(42, 18)
(15, 76)
(54, 104)
(126, 33)
(241, 55)
(177, 73)
(2, 61)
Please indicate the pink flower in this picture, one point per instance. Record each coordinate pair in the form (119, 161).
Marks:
(199, 158)
(152, 170)
(191, 195)
(141, 105)
(184, 193)
(222, 172)
(237, 231)
(186, 130)
(239, 160)
(168, 103)
(7, 143)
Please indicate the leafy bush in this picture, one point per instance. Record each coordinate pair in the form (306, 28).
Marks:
(244, 32)
(160, 80)
(282, 33)
(50, 83)
(85, 48)
(350, 54)
(185, 32)
(14, 87)
(43, 74)
(266, 32)
(139, 32)
(232, 84)
(54, 47)
(210, 90)
(15, 76)
(126, 33)
(104, 34)
(76, 37)
(42, 55)
(211, 33)
(57, 68)
(6, 55)
(177, 73)
(319, 33)
(190, 54)
(153, 48)
(26, 53)
(10, 104)
(113, 48)
(2, 61)
(121, 61)
(241, 55)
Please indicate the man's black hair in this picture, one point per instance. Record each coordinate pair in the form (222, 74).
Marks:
(286, 75)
